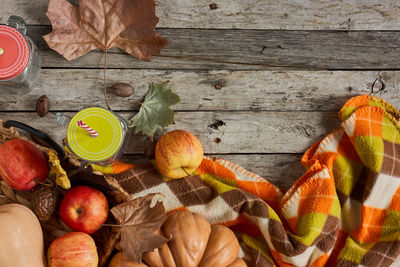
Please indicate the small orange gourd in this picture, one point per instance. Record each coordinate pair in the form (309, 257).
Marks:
(120, 260)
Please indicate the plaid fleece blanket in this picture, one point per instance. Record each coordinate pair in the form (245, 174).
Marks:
(344, 210)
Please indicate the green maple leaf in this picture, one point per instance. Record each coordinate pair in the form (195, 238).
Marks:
(155, 111)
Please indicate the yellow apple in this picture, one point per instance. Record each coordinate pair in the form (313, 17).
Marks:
(178, 153)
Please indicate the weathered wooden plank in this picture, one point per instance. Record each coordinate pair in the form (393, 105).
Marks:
(280, 169)
(206, 49)
(225, 132)
(71, 89)
(251, 14)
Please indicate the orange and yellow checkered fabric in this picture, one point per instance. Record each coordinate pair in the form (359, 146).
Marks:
(344, 210)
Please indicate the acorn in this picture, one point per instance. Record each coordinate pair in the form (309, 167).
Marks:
(122, 89)
(42, 105)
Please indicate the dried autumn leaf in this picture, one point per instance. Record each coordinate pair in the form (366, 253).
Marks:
(126, 24)
(108, 238)
(140, 221)
(155, 110)
(56, 170)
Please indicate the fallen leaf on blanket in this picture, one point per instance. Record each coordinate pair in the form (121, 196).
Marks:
(155, 110)
(56, 170)
(128, 25)
(139, 222)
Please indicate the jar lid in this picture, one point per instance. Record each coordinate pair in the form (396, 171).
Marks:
(110, 137)
(14, 53)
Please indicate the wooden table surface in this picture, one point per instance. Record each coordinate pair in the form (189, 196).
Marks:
(282, 68)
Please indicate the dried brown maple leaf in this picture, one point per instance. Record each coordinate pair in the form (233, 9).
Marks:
(127, 24)
(139, 224)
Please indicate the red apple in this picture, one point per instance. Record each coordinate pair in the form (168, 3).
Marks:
(84, 209)
(22, 164)
(178, 153)
(73, 249)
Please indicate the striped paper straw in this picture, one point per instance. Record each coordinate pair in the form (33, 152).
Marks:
(84, 126)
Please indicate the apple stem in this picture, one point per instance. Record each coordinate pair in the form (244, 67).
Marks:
(39, 182)
(79, 211)
(185, 171)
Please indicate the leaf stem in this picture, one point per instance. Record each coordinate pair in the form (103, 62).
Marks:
(113, 225)
(105, 88)
(185, 171)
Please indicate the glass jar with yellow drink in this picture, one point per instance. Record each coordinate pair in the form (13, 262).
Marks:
(95, 134)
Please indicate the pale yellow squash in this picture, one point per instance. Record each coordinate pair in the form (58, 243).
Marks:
(21, 238)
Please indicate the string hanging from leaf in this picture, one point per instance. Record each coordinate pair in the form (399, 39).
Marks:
(104, 81)
(103, 24)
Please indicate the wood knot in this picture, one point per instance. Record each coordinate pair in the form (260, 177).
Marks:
(213, 6)
(218, 86)
(215, 125)
(377, 86)
(217, 140)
